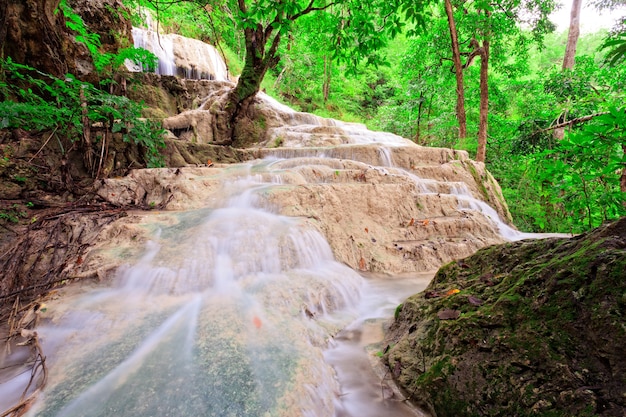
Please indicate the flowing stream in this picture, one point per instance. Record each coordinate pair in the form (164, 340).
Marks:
(230, 311)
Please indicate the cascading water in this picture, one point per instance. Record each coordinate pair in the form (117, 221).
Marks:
(226, 313)
(231, 307)
(178, 55)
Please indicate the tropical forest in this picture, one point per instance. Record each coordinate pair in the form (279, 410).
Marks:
(329, 208)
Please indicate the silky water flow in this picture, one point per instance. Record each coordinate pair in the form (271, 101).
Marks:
(229, 312)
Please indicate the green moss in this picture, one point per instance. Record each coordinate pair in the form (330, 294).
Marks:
(396, 313)
(479, 180)
(547, 308)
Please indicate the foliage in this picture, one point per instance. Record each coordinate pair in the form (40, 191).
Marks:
(581, 174)
(36, 101)
(105, 61)
(616, 46)
(12, 214)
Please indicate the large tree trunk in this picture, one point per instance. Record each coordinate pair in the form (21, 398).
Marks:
(572, 36)
(33, 34)
(484, 102)
(257, 62)
(458, 71)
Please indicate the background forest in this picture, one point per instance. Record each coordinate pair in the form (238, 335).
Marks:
(492, 78)
(556, 130)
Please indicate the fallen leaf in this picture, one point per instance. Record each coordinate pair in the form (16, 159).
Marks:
(366, 231)
(257, 322)
(448, 314)
(474, 301)
(362, 264)
(411, 222)
(425, 222)
(453, 291)
(486, 278)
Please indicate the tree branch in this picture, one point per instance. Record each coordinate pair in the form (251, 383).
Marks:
(310, 9)
(570, 122)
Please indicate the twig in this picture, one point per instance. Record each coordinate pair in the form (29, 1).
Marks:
(41, 363)
(44, 144)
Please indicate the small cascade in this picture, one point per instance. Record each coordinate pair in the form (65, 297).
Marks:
(184, 57)
(468, 202)
(224, 314)
(386, 159)
(160, 45)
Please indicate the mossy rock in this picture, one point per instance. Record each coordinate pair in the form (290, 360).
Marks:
(537, 328)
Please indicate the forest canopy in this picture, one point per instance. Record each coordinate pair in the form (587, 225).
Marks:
(488, 77)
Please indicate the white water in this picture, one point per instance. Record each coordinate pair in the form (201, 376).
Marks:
(178, 55)
(230, 309)
(226, 313)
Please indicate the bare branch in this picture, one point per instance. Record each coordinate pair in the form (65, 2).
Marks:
(571, 122)
(310, 9)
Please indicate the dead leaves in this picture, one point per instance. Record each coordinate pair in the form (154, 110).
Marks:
(424, 222)
(474, 301)
(362, 264)
(448, 314)
(451, 313)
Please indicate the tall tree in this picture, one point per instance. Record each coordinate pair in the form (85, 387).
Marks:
(458, 71)
(361, 28)
(486, 24)
(481, 151)
(572, 35)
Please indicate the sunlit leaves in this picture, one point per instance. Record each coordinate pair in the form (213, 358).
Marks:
(583, 171)
(616, 49)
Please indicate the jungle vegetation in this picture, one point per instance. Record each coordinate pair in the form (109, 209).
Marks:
(544, 110)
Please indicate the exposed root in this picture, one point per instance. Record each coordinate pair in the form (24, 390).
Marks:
(38, 378)
(45, 253)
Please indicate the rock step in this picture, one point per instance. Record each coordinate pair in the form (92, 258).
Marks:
(408, 156)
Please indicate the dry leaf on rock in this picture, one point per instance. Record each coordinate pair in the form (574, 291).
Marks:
(449, 314)
(474, 301)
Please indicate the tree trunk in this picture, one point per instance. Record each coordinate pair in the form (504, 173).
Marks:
(419, 118)
(257, 62)
(572, 36)
(326, 86)
(458, 71)
(34, 35)
(484, 102)
(570, 52)
(4, 7)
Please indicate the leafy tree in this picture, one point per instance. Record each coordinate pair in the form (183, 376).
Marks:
(360, 28)
(489, 25)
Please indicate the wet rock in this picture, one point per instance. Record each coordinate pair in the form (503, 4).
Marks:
(547, 339)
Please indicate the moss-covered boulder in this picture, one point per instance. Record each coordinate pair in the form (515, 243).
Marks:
(532, 328)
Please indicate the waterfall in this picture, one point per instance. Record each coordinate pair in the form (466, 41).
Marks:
(226, 313)
(181, 56)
